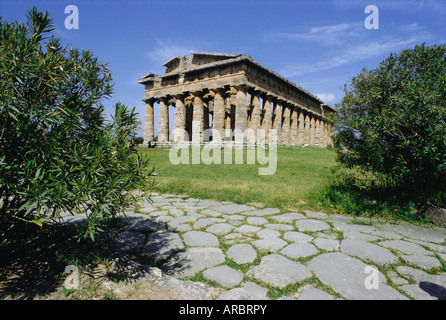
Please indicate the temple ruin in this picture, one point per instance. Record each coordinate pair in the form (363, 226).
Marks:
(218, 95)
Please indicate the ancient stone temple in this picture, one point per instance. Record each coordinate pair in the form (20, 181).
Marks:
(218, 97)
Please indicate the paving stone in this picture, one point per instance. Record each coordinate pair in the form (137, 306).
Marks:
(200, 239)
(224, 276)
(269, 244)
(405, 247)
(161, 244)
(422, 261)
(193, 260)
(145, 226)
(130, 241)
(208, 203)
(418, 275)
(242, 253)
(261, 212)
(299, 250)
(279, 226)
(339, 218)
(353, 227)
(247, 291)
(416, 232)
(233, 217)
(180, 227)
(311, 225)
(346, 275)
(311, 293)
(220, 228)
(232, 208)
(212, 213)
(247, 229)
(316, 215)
(159, 213)
(268, 233)
(256, 221)
(204, 222)
(327, 244)
(278, 271)
(396, 279)
(288, 217)
(359, 236)
(147, 209)
(368, 251)
(294, 236)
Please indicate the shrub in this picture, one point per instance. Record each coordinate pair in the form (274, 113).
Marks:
(57, 152)
(392, 123)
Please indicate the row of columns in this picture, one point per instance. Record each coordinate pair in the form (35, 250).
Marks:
(279, 121)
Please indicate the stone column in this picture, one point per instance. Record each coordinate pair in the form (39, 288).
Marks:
(301, 129)
(317, 132)
(307, 129)
(267, 119)
(163, 121)
(254, 122)
(189, 114)
(277, 122)
(149, 122)
(312, 130)
(218, 119)
(180, 119)
(286, 125)
(197, 118)
(293, 127)
(241, 109)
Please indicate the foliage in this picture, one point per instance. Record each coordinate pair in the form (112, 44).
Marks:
(58, 154)
(392, 123)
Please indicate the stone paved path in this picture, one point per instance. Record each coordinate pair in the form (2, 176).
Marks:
(245, 250)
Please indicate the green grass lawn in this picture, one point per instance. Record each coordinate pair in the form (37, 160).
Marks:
(299, 172)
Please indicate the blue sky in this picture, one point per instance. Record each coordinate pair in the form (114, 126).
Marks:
(319, 45)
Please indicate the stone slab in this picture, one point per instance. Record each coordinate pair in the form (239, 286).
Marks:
(269, 244)
(405, 247)
(220, 228)
(347, 275)
(224, 275)
(299, 250)
(232, 208)
(193, 260)
(200, 239)
(242, 253)
(311, 225)
(368, 251)
(278, 271)
(162, 244)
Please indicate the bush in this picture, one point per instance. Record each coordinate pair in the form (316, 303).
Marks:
(392, 123)
(57, 152)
